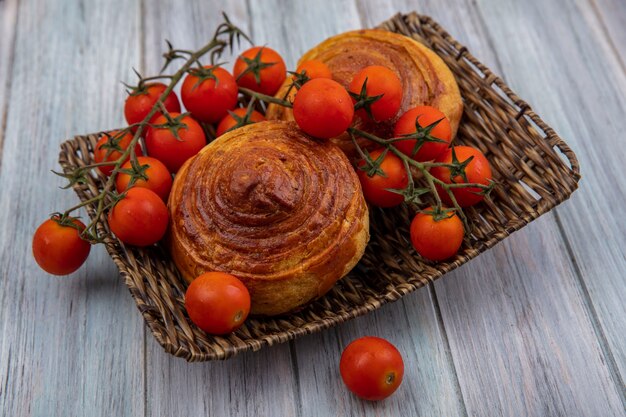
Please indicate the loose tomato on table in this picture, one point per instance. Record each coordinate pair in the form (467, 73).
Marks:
(372, 368)
(431, 129)
(139, 218)
(314, 69)
(217, 302)
(141, 100)
(110, 148)
(173, 151)
(58, 247)
(322, 108)
(393, 176)
(235, 117)
(436, 235)
(260, 69)
(377, 92)
(209, 93)
(157, 176)
(476, 171)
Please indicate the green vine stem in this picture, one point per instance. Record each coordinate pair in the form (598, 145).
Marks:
(424, 169)
(225, 36)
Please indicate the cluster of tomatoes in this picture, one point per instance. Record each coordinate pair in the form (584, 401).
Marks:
(218, 302)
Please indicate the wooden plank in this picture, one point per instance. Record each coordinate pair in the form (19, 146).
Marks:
(579, 83)
(8, 19)
(610, 23)
(536, 384)
(68, 346)
(520, 337)
(260, 383)
(430, 386)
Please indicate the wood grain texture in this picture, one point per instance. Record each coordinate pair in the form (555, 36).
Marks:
(430, 386)
(69, 346)
(611, 15)
(256, 384)
(8, 22)
(585, 101)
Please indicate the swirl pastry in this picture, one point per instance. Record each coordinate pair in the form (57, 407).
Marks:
(426, 79)
(268, 204)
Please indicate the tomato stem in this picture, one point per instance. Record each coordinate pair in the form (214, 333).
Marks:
(265, 97)
(225, 36)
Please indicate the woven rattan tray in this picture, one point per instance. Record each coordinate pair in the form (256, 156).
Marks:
(534, 168)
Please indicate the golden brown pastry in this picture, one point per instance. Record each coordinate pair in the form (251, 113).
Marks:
(268, 204)
(426, 79)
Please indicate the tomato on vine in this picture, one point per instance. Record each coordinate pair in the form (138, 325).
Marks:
(149, 173)
(209, 93)
(217, 302)
(437, 234)
(110, 148)
(139, 218)
(237, 118)
(260, 69)
(427, 130)
(474, 168)
(372, 368)
(314, 69)
(58, 247)
(377, 93)
(141, 100)
(322, 108)
(174, 140)
(385, 171)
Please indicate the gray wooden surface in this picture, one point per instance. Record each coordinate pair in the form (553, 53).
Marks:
(534, 327)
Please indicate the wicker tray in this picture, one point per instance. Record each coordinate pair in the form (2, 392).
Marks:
(534, 168)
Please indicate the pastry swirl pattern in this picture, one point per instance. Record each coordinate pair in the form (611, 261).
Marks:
(279, 210)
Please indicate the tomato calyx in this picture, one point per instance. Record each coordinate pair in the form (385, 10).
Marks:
(203, 74)
(457, 168)
(112, 143)
(298, 78)
(143, 85)
(173, 124)
(422, 135)
(244, 120)
(440, 213)
(254, 66)
(411, 193)
(75, 177)
(363, 101)
(136, 172)
(372, 166)
(65, 220)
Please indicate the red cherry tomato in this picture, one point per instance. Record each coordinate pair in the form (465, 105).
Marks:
(375, 187)
(158, 179)
(424, 116)
(111, 148)
(58, 249)
(436, 236)
(163, 145)
(209, 96)
(140, 218)
(139, 103)
(260, 69)
(217, 302)
(477, 171)
(314, 69)
(229, 121)
(323, 108)
(381, 81)
(372, 368)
